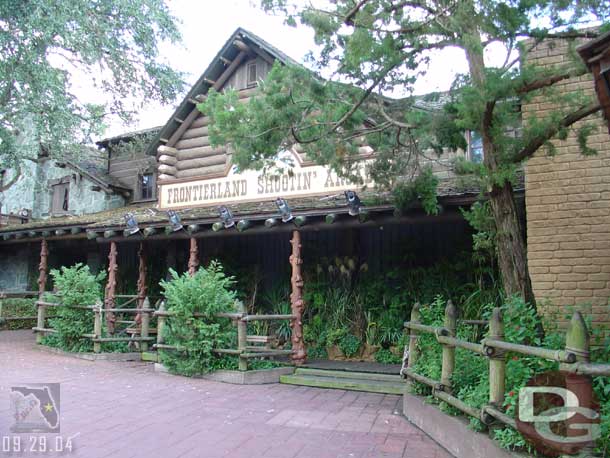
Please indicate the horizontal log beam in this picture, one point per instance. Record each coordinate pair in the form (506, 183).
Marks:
(195, 132)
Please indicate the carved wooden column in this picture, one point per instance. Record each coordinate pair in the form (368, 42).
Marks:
(142, 290)
(43, 267)
(110, 294)
(193, 257)
(296, 301)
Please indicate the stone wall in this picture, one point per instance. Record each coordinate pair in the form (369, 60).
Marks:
(21, 194)
(82, 199)
(568, 210)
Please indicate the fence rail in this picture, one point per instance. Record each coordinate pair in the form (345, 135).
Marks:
(574, 358)
(15, 295)
(97, 337)
(241, 319)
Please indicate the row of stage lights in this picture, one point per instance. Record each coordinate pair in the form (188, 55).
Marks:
(353, 204)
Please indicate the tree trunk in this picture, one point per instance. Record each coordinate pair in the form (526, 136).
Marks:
(510, 245)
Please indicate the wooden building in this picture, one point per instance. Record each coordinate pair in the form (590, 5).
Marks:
(178, 221)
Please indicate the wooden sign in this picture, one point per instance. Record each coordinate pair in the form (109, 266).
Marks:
(297, 180)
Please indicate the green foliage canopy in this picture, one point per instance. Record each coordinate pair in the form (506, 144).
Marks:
(48, 47)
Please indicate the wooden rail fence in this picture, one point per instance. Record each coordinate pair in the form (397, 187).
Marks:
(574, 358)
(241, 319)
(138, 334)
(15, 295)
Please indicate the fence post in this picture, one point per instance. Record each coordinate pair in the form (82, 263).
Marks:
(144, 325)
(578, 342)
(40, 318)
(497, 360)
(415, 317)
(97, 327)
(449, 350)
(160, 323)
(242, 332)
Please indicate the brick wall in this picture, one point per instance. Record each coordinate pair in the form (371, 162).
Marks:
(568, 210)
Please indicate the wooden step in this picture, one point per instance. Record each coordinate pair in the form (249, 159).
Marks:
(349, 374)
(345, 383)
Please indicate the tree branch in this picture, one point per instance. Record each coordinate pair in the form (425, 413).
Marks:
(549, 81)
(550, 132)
(349, 17)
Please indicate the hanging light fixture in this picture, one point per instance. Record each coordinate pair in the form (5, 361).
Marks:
(284, 209)
(132, 224)
(226, 216)
(353, 203)
(174, 221)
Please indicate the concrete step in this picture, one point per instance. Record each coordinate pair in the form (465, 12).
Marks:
(348, 374)
(352, 383)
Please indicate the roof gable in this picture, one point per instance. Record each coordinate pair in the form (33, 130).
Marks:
(239, 48)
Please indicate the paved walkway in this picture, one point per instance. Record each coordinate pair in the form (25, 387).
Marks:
(126, 410)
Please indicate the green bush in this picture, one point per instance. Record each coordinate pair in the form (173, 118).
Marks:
(385, 356)
(75, 285)
(349, 345)
(208, 292)
(18, 308)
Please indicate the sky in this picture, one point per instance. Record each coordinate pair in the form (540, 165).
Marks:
(207, 24)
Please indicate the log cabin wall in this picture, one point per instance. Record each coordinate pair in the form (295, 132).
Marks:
(128, 167)
(192, 155)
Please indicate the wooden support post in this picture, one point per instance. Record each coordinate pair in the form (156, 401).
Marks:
(110, 293)
(144, 325)
(97, 327)
(141, 284)
(43, 269)
(193, 257)
(497, 361)
(161, 324)
(297, 304)
(449, 350)
(413, 350)
(242, 337)
(578, 342)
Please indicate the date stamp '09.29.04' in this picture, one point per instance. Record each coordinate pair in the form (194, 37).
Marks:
(35, 408)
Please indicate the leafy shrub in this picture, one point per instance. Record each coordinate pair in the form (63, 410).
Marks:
(18, 308)
(349, 345)
(385, 356)
(335, 336)
(208, 292)
(317, 353)
(75, 285)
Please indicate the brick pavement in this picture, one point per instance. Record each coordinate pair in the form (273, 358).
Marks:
(123, 409)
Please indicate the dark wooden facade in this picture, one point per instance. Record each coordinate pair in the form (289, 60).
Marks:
(596, 55)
